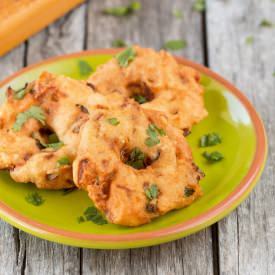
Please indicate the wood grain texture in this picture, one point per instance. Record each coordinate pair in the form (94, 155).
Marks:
(43, 257)
(247, 237)
(10, 253)
(152, 26)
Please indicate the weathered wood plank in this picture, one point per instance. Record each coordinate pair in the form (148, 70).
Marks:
(247, 237)
(151, 27)
(10, 253)
(64, 36)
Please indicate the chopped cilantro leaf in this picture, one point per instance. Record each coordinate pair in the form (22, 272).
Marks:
(175, 45)
(113, 121)
(213, 157)
(210, 140)
(136, 159)
(92, 214)
(126, 56)
(34, 198)
(140, 99)
(249, 40)
(199, 5)
(63, 161)
(266, 24)
(151, 192)
(153, 132)
(33, 112)
(123, 10)
(85, 68)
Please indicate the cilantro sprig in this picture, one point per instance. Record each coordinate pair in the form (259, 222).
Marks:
(266, 24)
(92, 214)
(213, 156)
(34, 198)
(151, 192)
(140, 98)
(137, 159)
(33, 112)
(174, 45)
(126, 56)
(199, 5)
(120, 11)
(153, 132)
(113, 121)
(210, 140)
(63, 161)
(85, 68)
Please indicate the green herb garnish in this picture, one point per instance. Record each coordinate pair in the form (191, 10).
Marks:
(68, 191)
(137, 159)
(175, 45)
(63, 161)
(210, 140)
(113, 121)
(34, 199)
(153, 132)
(151, 192)
(20, 93)
(123, 10)
(33, 112)
(273, 74)
(140, 99)
(199, 5)
(126, 56)
(93, 215)
(213, 157)
(177, 13)
(249, 40)
(118, 43)
(85, 68)
(188, 191)
(55, 146)
(266, 24)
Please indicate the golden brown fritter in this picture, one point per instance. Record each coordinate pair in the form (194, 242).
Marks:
(164, 84)
(60, 99)
(134, 165)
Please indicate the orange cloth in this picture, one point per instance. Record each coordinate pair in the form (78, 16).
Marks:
(19, 19)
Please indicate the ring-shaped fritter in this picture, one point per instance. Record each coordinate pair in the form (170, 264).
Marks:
(134, 165)
(158, 82)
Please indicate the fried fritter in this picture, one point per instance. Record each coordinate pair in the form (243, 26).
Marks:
(133, 164)
(158, 82)
(60, 98)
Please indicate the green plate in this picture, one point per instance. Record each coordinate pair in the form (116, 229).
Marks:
(226, 184)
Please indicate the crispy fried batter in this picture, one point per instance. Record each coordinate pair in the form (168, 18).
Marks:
(117, 188)
(62, 100)
(167, 86)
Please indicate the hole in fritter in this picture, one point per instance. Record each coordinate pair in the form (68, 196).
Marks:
(140, 92)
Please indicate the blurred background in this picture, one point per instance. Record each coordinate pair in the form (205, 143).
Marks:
(234, 38)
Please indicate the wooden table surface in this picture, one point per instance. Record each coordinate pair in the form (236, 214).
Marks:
(242, 243)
